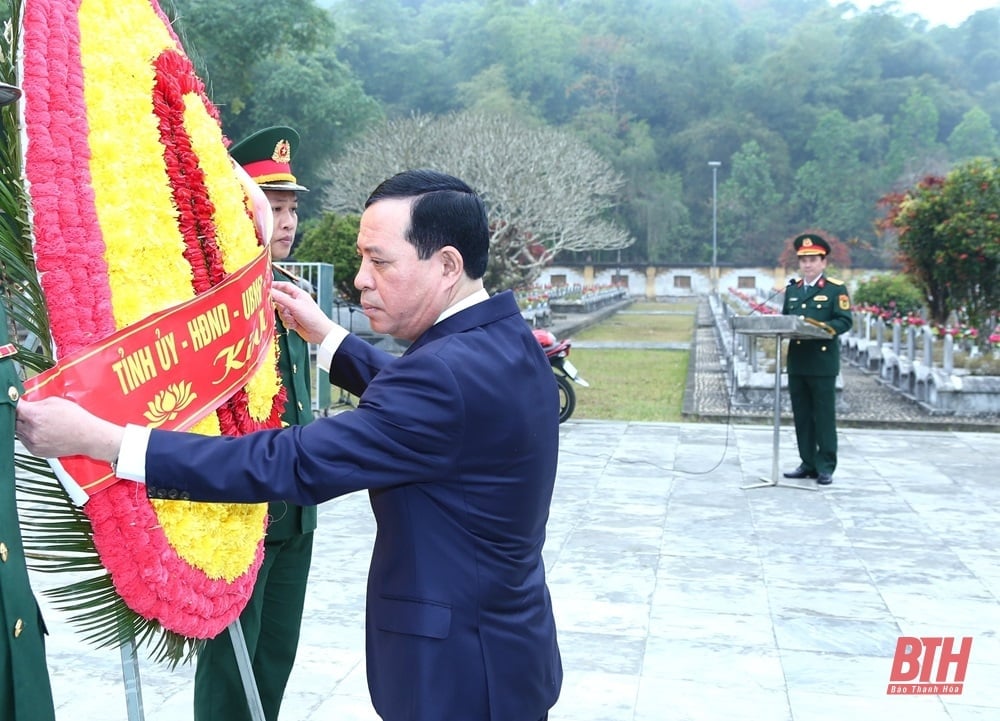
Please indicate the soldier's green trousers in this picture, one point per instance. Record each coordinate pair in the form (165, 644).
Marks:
(271, 624)
(814, 406)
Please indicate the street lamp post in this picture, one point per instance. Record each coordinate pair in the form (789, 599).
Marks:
(714, 165)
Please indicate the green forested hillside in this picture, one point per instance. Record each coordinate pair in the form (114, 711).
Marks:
(815, 111)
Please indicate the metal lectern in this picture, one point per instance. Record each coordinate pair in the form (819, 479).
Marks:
(779, 327)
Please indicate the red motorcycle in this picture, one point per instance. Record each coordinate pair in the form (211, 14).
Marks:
(557, 351)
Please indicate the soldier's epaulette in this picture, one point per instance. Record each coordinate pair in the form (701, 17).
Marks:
(835, 281)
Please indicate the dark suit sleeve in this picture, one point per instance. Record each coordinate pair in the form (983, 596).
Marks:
(408, 425)
(356, 363)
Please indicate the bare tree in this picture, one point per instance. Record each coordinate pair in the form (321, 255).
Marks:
(545, 190)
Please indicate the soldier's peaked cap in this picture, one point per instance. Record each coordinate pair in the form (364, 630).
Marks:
(267, 157)
(811, 244)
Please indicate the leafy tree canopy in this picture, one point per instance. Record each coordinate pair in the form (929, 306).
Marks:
(974, 137)
(268, 63)
(656, 87)
(333, 238)
(949, 238)
(892, 293)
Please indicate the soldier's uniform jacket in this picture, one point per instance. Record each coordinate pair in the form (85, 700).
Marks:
(25, 693)
(272, 619)
(288, 519)
(827, 301)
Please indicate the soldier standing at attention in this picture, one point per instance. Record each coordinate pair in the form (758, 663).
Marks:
(273, 617)
(813, 365)
(25, 692)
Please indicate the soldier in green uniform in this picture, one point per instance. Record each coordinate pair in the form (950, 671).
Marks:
(273, 617)
(25, 692)
(813, 365)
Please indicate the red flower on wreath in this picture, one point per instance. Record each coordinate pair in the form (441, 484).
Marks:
(135, 208)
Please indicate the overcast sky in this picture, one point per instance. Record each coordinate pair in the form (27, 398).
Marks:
(937, 12)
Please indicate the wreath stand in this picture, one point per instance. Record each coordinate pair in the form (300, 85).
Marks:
(133, 687)
(130, 675)
(246, 670)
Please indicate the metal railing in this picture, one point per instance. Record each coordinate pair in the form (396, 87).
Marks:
(317, 278)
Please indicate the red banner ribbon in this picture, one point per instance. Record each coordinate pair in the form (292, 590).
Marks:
(170, 369)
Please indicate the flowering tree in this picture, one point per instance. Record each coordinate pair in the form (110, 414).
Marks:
(545, 191)
(949, 240)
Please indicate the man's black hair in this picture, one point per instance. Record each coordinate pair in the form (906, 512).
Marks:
(445, 211)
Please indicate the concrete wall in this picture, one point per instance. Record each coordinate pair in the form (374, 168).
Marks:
(681, 281)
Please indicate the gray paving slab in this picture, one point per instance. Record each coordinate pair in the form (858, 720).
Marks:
(678, 594)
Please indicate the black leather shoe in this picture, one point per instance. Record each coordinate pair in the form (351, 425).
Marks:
(800, 472)
(824, 479)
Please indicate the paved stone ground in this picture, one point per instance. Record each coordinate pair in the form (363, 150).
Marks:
(679, 594)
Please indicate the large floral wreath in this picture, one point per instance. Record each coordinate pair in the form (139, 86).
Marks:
(135, 207)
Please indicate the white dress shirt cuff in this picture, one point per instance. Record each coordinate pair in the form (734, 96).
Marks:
(329, 346)
(132, 455)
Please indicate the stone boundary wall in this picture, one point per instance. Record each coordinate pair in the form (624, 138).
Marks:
(689, 281)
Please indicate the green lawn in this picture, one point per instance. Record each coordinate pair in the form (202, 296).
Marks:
(650, 306)
(651, 329)
(630, 385)
(635, 385)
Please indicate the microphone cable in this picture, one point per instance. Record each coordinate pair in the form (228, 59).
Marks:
(731, 385)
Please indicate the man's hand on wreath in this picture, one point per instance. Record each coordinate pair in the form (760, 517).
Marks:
(299, 312)
(56, 427)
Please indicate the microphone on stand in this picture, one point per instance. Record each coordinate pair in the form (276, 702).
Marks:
(763, 304)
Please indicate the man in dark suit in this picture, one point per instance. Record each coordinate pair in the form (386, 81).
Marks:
(25, 692)
(813, 365)
(456, 442)
(272, 618)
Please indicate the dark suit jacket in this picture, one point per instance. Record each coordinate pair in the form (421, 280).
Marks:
(825, 301)
(457, 442)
